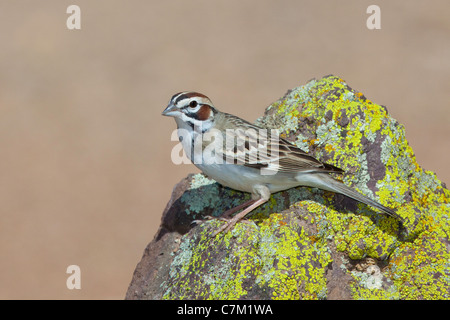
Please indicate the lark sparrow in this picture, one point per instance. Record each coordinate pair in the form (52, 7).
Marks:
(242, 165)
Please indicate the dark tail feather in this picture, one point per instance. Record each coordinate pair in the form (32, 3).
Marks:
(334, 185)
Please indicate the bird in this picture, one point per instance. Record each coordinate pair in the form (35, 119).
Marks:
(249, 158)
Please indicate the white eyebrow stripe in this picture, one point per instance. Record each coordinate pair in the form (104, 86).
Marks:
(178, 95)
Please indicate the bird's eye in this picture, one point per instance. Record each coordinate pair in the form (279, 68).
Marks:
(193, 104)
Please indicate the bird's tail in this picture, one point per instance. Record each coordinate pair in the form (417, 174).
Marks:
(326, 182)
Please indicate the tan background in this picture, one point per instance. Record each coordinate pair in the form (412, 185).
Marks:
(85, 167)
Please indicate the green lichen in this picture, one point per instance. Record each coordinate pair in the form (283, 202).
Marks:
(203, 192)
(372, 287)
(294, 267)
(285, 253)
(284, 265)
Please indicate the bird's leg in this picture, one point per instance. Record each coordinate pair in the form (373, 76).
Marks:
(230, 223)
(227, 214)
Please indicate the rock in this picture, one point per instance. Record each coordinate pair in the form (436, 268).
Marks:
(306, 243)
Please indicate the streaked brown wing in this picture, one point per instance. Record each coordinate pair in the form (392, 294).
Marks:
(294, 160)
(258, 148)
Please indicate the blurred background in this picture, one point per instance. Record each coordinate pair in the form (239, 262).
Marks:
(85, 168)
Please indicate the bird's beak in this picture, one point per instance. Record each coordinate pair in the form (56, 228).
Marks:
(170, 111)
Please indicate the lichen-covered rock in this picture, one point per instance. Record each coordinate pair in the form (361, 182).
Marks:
(307, 243)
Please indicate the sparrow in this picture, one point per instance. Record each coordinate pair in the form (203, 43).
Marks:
(245, 157)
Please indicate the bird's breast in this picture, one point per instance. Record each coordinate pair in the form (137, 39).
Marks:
(245, 179)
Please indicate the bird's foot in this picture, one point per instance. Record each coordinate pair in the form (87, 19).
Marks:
(207, 218)
(231, 222)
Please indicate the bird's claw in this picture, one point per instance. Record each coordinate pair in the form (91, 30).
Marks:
(229, 223)
(206, 218)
